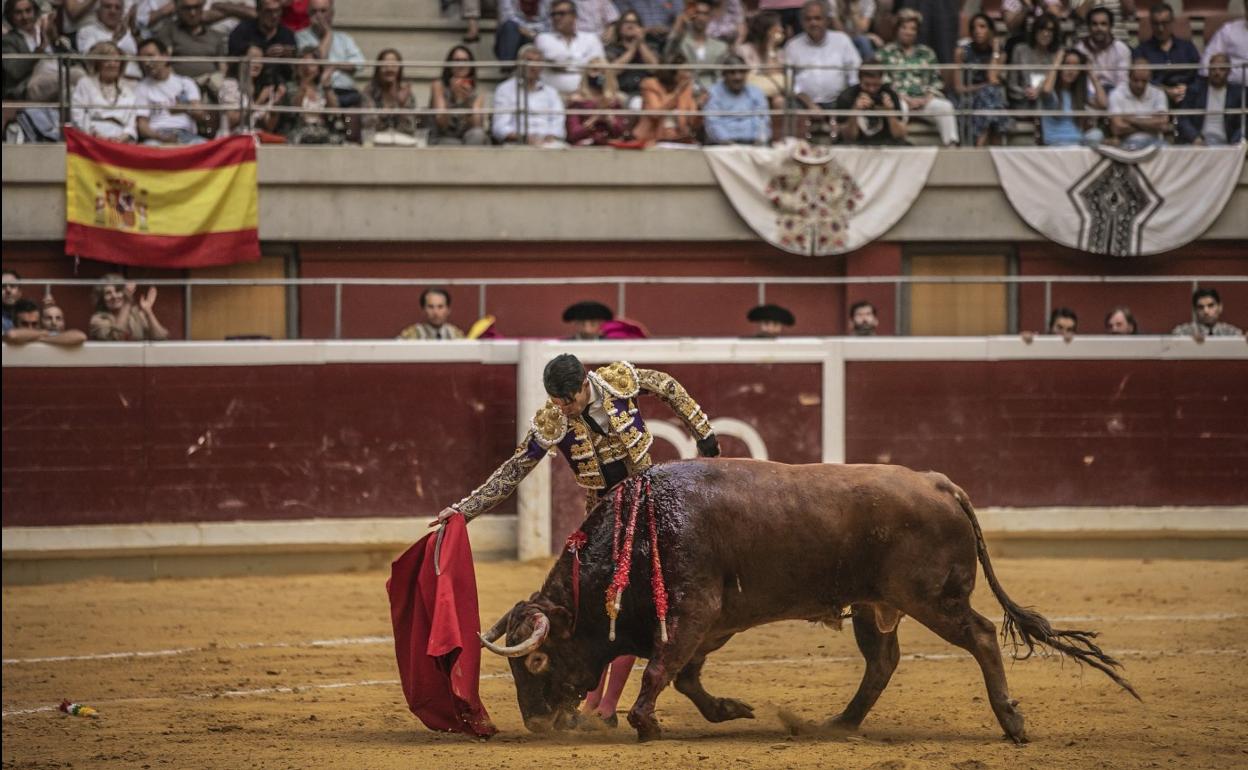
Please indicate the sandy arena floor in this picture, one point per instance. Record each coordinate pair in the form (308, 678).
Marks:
(231, 675)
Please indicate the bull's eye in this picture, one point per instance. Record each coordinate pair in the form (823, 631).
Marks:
(537, 662)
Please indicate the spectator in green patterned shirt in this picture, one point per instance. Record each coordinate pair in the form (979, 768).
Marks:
(919, 84)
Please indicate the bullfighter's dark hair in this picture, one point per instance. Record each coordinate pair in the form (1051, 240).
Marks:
(1063, 312)
(435, 290)
(860, 303)
(563, 376)
(1200, 294)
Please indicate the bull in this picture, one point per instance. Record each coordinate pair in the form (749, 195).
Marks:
(745, 542)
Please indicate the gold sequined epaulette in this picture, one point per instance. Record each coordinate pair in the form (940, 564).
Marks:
(619, 379)
(549, 425)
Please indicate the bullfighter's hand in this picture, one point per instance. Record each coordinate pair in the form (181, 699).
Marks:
(443, 515)
(709, 446)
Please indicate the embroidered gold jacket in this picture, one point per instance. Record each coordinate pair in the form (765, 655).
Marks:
(627, 437)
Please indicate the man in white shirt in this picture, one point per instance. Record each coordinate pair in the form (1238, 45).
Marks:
(545, 118)
(334, 45)
(566, 49)
(1138, 112)
(168, 102)
(110, 25)
(830, 50)
(1232, 40)
(1108, 57)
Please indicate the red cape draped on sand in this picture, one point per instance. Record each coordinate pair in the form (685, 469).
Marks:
(435, 632)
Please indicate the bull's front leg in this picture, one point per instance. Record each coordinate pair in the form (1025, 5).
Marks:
(685, 637)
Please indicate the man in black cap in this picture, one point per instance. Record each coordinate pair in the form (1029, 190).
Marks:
(771, 320)
(587, 319)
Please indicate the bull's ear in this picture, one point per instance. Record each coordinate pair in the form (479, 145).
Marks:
(560, 622)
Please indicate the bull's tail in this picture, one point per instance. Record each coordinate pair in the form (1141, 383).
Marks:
(1028, 628)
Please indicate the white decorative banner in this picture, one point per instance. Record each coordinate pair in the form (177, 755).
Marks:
(818, 200)
(1123, 204)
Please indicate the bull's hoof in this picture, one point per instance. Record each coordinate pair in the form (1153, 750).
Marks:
(1012, 722)
(730, 708)
(647, 727)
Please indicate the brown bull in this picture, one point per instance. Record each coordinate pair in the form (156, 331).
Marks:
(745, 543)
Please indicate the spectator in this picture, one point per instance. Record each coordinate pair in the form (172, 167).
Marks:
(980, 89)
(224, 15)
(48, 325)
(596, 17)
(919, 85)
(1207, 307)
(598, 92)
(144, 17)
(388, 90)
(670, 89)
(28, 32)
(1120, 10)
(112, 113)
(265, 91)
(763, 50)
(771, 320)
(267, 33)
(470, 12)
(1063, 321)
(1230, 39)
(316, 124)
(1121, 321)
(188, 35)
(544, 119)
(862, 319)
(457, 89)
(853, 17)
(1138, 112)
(1066, 88)
(940, 33)
(690, 39)
(1164, 47)
(657, 17)
(871, 94)
(1223, 121)
(333, 45)
(789, 12)
(1110, 58)
(120, 317)
(727, 21)
(629, 46)
(11, 292)
(1042, 44)
(168, 103)
(587, 319)
(110, 25)
(826, 61)
(733, 93)
(1016, 13)
(519, 24)
(436, 305)
(566, 49)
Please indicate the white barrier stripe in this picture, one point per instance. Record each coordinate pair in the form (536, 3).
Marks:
(367, 640)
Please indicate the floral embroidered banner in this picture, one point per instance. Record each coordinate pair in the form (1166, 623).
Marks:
(819, 200)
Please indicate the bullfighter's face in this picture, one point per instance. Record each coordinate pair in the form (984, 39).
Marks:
(575, 405)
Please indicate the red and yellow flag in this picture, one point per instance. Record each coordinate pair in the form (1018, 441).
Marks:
(161, 207)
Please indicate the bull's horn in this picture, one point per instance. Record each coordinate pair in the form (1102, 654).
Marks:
(541, 626)
(497, 630)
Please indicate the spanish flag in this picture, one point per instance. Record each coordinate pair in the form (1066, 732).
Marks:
(177, 207)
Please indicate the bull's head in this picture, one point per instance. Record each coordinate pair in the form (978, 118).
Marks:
(552, 670)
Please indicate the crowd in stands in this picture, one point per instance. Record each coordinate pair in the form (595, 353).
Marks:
(735, 54)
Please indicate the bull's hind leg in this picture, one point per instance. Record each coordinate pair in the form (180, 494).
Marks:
(689, 683)
(881, 651)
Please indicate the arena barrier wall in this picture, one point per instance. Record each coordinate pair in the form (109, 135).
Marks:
(162, 453)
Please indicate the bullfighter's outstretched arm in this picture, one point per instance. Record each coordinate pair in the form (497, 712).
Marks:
(502, 482)
(678, 399)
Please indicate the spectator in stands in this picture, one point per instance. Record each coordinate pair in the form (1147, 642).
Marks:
(1207, 307)
(1164, 47)
(789, 13)
(980, 89)
(1138, 112)
(871, 95)
(853, 17)
(629, 46)
(566, 49)
(1121, 321)
(388, 90)
(689, 38)
(51, 316)
(519, 24)
(771, 320)
(455, 89)
(267, 33)
(733, 93)
(265, 91)
(470, 12)
(763, 51)
(310, 89)
(943, 18)
(48, 325)
(28, 32)
(144, 17)
(1037, 51)
(224, 15)
(436, 305)
(1122, 10)
(1063, 321)
(544, 120)
(168, 103)
(727, 21)
(1110, 58)
(598, 91)
(1230, 39)
(826, 61)
(188, 35)
(587, 319)
(596, 17)
(11, 291)
(110, 25)
(669, 89)
(918, 85)
(121, 317)
(1016, 14)
(657, 17)
(1067, 88)
(333, 45)
(862, 319)
(113, 115)
(1223, 121)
